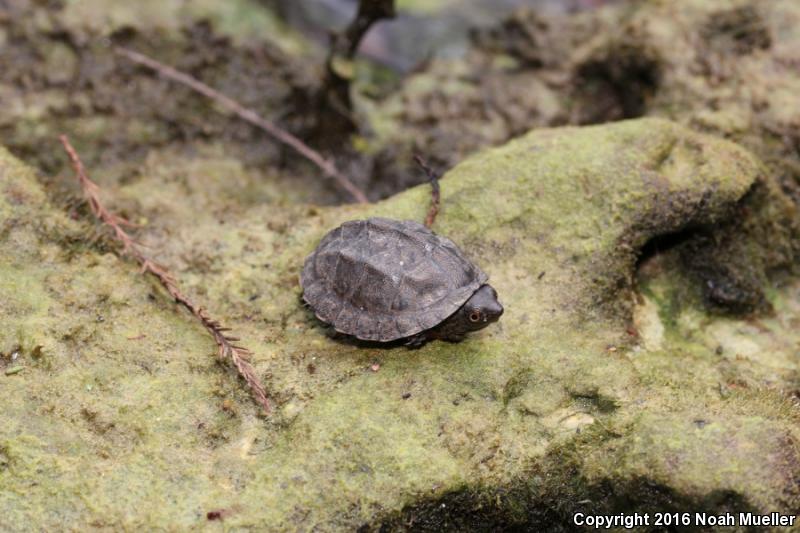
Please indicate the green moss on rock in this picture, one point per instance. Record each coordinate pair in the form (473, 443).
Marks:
(122, 418)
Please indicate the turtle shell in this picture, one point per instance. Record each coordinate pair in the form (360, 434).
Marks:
(381, 279)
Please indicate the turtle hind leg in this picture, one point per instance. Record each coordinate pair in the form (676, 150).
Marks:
(417, 341)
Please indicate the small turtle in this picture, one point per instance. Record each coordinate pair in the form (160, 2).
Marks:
(383, 280)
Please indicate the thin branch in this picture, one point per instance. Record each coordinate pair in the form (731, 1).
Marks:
(327, 166)
(433, 177)
(239, 356)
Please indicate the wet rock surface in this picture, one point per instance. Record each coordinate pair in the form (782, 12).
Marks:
(122, 418)
(648, 356)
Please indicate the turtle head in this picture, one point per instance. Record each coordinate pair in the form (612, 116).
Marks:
(482, 308)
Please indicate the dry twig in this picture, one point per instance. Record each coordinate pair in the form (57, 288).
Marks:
(433, 177)
(327, 166)
(228, 349)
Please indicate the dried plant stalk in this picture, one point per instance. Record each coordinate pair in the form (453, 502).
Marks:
(327, 166)
(433, 177)
(228, 349)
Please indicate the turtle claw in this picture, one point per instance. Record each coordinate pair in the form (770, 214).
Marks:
(416, 341)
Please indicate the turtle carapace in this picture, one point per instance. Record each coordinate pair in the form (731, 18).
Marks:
(382, 280)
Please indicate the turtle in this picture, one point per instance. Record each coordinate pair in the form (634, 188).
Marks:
(385, 280)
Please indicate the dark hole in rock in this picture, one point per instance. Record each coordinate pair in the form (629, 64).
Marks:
(709, 261)
(729, 286)
(616, 86)
(664, 243)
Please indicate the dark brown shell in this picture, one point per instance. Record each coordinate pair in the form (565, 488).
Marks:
(381, 279)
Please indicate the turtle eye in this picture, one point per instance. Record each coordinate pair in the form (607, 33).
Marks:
(474, 316)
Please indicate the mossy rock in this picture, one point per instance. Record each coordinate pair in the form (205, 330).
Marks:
(121, 419)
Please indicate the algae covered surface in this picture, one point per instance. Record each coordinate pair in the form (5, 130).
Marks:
(648, 356)
(121, 419)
